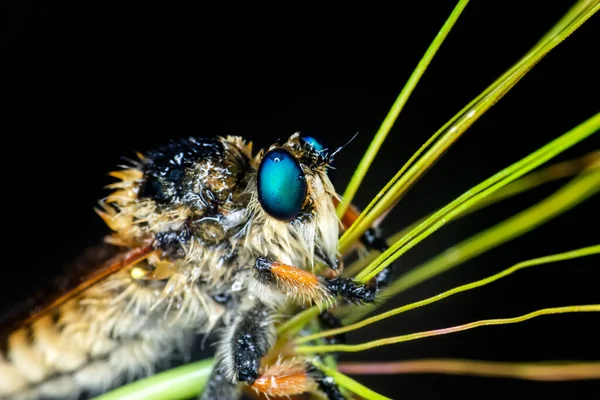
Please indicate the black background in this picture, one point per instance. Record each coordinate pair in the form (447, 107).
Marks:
(88, 82)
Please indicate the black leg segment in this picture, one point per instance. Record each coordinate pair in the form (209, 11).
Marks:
(373, 241)
(251, 337)
(219, 387)
(325, 383)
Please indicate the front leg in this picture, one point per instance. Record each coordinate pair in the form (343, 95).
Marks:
(306, 287)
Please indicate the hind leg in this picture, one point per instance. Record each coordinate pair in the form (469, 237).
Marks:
(219, 387)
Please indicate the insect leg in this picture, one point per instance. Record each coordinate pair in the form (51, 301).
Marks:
(330, 321)
(219, 387)
(326, 384)
(305, 286)
(372, 240)
(289, 377)
(245, 342)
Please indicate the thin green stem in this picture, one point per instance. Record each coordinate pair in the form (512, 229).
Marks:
(547, 371)
(436, 332)
(398, 105)
(569, 196)
(587, 251)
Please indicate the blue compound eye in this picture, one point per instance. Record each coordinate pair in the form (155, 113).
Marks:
(281, 185)
(319, 145)
(314, 142)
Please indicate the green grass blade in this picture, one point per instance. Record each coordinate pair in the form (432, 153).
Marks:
(398, 105)
(579, 8)
(179, 383)
(586, 164)
(569, 196)
(451, 131)
(297, 322)
(477, 193)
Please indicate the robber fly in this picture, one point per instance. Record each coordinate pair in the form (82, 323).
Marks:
(205, 237)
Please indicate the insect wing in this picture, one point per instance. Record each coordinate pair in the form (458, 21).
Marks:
(96, 264)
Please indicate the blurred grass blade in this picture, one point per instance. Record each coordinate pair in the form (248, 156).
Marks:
(480, 191)
(398, 105)
(350, 384)
(570, 195)
(586, 164)
(535, 371)
(579, 8)
(436, 332)
(179, 383)
(451, 131)
(587, 251)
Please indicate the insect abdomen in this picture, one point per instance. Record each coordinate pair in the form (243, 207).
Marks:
(106, 336)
